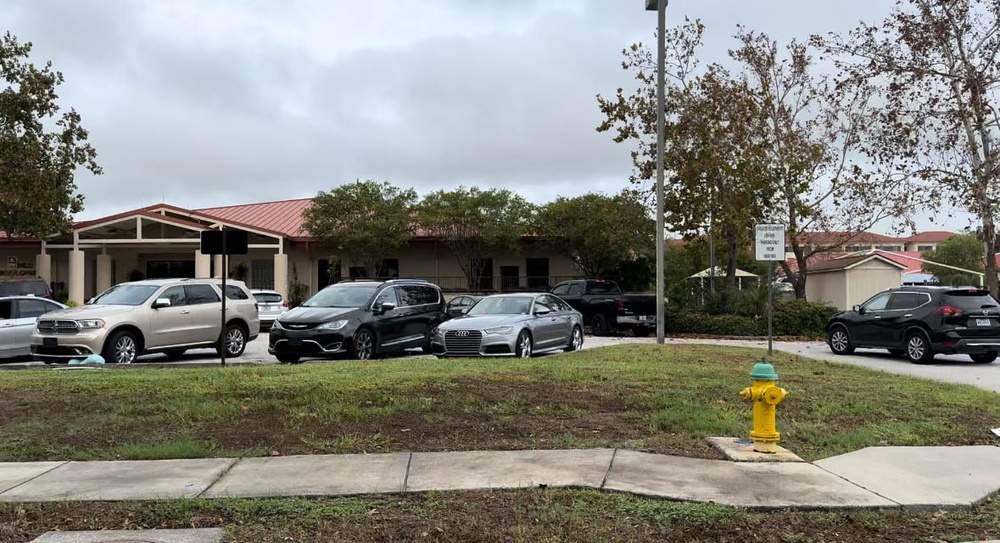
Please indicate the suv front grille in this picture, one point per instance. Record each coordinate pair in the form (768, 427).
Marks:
(463, 342)
(51, 326)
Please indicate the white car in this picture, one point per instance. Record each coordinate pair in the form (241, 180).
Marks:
(270, 305)
(18, 315)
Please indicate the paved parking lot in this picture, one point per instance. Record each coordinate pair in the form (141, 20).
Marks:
(953, 368)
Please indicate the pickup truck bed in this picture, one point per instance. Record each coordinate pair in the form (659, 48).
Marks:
(606, 309)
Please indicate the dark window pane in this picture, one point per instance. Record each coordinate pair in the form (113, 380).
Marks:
(200, 294)
(28, 309)
(234, 292)
(267, 297)
(6, 309)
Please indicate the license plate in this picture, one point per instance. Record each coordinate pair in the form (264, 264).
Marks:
(50, 341)
(647, 317)
(983, 322)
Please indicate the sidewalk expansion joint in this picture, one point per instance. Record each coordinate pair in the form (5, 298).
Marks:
(6, 490)
(222, 474)
(862, 487)
(406, 476)
(611, 465)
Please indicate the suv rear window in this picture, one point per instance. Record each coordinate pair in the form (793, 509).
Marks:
(969, 299)
(267, 297)
(603, 287)
(24, 287)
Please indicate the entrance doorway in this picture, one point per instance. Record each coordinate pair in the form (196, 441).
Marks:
(169, 269)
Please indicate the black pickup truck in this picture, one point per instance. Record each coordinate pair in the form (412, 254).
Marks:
(606, 309)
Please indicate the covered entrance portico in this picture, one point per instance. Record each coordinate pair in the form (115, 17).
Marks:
(154, 242)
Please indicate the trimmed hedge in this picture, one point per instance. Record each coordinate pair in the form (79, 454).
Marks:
(791, 318)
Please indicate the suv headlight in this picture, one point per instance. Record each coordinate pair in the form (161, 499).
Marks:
(332, 325)
(91, 324)
(500, 330)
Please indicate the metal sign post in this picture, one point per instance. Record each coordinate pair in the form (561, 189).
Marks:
(770, 248)
(224, 242)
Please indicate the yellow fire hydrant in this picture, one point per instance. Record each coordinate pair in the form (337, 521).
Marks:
(766, 396)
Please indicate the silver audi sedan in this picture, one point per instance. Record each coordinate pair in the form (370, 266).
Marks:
(511, 325)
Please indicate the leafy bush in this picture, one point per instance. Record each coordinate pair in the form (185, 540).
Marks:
(791, 318)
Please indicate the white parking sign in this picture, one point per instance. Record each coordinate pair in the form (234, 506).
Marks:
(770, 242)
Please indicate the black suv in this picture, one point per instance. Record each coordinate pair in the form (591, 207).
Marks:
(919, 322)
(360, 318)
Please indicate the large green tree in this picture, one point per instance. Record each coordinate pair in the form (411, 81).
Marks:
(40, 148)
(598, 232)
(821, 182)
(963, 251)
(473, 223)
(719, 179)
(934, 66)
(366, 221)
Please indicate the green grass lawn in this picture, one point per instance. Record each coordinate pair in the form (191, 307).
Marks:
(530, 515)
(647, 397)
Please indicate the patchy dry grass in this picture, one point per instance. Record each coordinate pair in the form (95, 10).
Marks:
(647, 397)
(554, 515)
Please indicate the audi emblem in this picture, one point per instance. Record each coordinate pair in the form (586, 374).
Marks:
(462, 333)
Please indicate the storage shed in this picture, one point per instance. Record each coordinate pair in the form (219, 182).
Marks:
(849, 280)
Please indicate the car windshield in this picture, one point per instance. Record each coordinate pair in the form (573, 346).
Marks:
(502, 305)
(342, 295)
(126, 295)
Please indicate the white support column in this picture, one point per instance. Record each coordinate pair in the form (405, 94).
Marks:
(281, 274)
(218, 266)
(43, 266)
(77, 278)
(104, 279)
(202, 265)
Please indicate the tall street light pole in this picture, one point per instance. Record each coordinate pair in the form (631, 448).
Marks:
(660, 6)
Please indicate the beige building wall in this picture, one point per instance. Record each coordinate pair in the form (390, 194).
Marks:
(829, 287)
(870, 278)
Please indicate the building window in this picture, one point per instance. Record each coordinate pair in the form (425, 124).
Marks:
(390, 268)
(857, 248)
(262, 274)
(888, 247)
(923, 248)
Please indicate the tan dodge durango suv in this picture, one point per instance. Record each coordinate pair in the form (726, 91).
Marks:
(158, 315)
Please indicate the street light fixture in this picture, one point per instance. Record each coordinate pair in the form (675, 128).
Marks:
(660, 6)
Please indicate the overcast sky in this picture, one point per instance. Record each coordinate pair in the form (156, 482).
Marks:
(213, 102)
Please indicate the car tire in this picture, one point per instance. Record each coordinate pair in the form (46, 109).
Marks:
(984, 358)
(174, 353)
(525, 346)
(121, 348)
(288, 359)
(599, 325)
(839, 340)
(918, 349)
(234, 340)
(575, 340)
(363, 345)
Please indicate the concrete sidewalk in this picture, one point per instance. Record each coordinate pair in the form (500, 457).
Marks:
(895, 477)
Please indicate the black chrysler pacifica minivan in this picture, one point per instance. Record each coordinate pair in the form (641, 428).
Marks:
(362, 319)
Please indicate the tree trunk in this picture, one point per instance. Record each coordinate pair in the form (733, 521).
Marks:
(989, 241)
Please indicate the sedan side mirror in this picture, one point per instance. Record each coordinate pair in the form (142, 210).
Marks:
(858, 309)
(161, 302)
(540, 312)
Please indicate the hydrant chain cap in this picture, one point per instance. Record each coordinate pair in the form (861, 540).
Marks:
(764, 372)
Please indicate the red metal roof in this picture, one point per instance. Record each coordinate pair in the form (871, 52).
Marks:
(284, 217)
(934, 236)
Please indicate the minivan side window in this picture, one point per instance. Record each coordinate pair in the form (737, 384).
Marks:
(410, 295)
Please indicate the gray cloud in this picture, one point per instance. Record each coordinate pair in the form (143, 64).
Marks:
(212, 103)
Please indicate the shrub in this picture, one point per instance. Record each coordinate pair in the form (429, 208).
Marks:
(791, 318)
